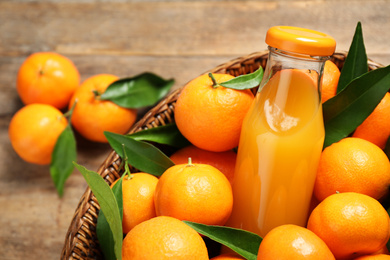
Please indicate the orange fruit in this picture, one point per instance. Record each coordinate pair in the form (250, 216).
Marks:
(138, 199)
(223, 161)
(293, 242)
(351, 224)
(376, 127)
(374, 257)
(163, 238)
(34, 131)
(330, 80)
(194, 192)
(211, 117)
(227, 257)
(353, 164)
(47, 78)
(92, 116)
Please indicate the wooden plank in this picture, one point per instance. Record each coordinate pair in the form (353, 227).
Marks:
(181, 28)
(33, 218)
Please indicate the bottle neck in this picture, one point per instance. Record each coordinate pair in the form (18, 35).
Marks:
(280, 60)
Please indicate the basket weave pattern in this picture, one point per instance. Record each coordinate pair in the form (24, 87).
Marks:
(81, 240)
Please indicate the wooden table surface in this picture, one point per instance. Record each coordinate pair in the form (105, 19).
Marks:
(174, 39)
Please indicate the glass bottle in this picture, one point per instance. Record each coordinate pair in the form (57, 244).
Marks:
(282, 134)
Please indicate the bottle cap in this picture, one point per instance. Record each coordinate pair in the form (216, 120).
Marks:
(300, 40)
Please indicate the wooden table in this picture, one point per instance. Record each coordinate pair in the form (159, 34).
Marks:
(174, 39)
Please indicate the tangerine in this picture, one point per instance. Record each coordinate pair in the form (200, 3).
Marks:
(138, 199)
(353, 164)
(223, 161)
(34, 131)
(209, 115)
(376, 127)
(351, 224)
(293, 242)
(194, 192)
(163, 238)
(330, 80)
(47, 78)
(92, 117)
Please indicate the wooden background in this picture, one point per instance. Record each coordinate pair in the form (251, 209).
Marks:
(175, 39)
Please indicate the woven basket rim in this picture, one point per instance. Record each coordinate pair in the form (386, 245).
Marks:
(83, 221)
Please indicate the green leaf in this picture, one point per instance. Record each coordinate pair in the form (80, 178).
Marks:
(246, 81)
(167, 134)
(103, 231)
(108, 205)
(143, 156)
(347, 110)
(117, 190)
(355, 63)
(143, 90)
(64, 153)
(242, 242)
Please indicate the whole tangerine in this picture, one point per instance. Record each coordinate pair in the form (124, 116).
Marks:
(210, 115)
(353, 165)
(47, 78)
(92, 116)
(34, 131)
(194, 192)
(163, 238)
(293, 242)
(138, 199)
(351, 224)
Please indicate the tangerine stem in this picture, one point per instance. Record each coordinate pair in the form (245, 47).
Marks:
(96, 93)
(70, 111)
(189, 162)
(127, 171)
(215, 84)
(126, 165)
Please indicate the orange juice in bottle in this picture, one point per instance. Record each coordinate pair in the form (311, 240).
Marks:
(282, 135)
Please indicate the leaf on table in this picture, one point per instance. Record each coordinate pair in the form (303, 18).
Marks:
(246, 81)
(64, 153)
(143, 90)
(108, 205)
(348, 109)
(242, 242)
(103, 230)
(142, 155)
(355, 63)
(167, 134)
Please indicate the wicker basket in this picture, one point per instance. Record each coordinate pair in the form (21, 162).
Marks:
(81, 241)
